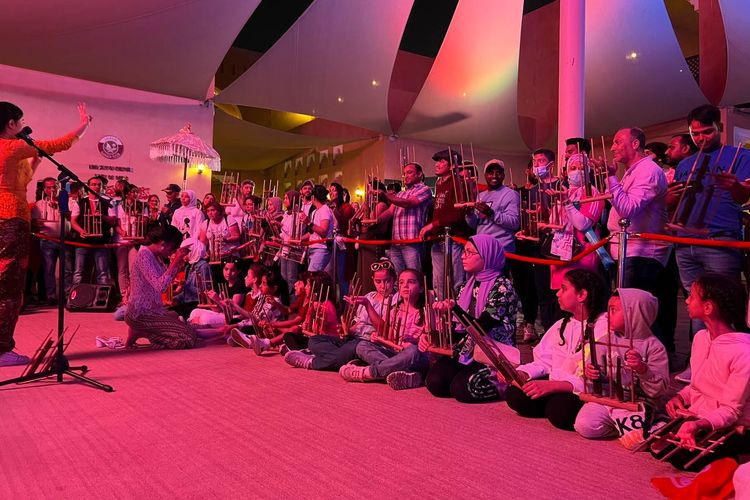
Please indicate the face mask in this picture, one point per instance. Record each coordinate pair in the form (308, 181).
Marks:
(575, 178)
(541, 171)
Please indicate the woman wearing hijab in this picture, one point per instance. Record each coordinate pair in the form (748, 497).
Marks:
(188, 217)
(490, 298)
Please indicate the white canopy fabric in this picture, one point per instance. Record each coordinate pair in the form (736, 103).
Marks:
(470, 93)
(736, 17)
(621, 90)
(325, 65)
(167, 46)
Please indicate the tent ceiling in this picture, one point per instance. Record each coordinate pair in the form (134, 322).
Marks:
(325, 65)
(736, 21)
(168, 46)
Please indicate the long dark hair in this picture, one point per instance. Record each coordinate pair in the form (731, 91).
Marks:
(728, 296)
(8, 112)
(274, 280)
(596, 297)
(420, 299)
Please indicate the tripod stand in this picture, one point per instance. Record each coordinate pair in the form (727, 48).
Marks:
(59, 365)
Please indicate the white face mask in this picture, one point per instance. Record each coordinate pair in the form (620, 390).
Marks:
(575, 178)
(541, 172)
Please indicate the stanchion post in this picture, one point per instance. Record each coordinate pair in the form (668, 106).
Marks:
(447, 263)
(334, 260)
(622, 250)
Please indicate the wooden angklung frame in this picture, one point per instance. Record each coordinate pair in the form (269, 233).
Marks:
(230, 188)
(464, 178)
(293, 250)
(350, 311)
(612, 367)
(135, 223)
(92, 218)
(392, 325)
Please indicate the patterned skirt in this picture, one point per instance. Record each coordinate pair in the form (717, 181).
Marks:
(163, 331)
(14, 256)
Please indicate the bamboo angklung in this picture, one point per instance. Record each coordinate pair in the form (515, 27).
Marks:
(350, 311)
(215, 249)
(390, 325)
(504, 367)
(230, 189)
(92, 218)
(135, 223)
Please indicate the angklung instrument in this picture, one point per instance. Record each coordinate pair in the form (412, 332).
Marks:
(611, 371)
(230, 189)
(92, 218)
(204, 285)
(689, 203)
(51, 210)
(594, 178)
(293, 250)
(664, 443)
(315, 314)
(135, 222)
(464, 178)
(499, 361)
(392, 326)
(540, 209)
(350, 310)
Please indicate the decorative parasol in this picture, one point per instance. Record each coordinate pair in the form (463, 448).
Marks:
(185, 148)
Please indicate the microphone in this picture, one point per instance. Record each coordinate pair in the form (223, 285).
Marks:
(24, 134)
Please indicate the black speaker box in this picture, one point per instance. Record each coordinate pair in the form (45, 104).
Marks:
(88, 297)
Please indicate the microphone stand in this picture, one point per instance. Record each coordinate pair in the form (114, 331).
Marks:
(60, 365)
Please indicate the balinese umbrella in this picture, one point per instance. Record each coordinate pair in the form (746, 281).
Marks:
(185, 148)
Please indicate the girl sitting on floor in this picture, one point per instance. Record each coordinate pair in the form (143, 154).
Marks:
(488, 296)
(401, 369)
(273, 289)
(331, 353)
(554, 378)
(718, 395)
(631, 312)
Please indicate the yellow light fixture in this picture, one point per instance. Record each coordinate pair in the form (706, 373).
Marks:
(201, 167)
(359, 192)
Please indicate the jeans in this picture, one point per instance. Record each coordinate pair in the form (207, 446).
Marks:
(289, 270)
(438, 267)
(318, 259)
(384, 361)
(694, 261)
(125, 256)
(331, 353)
(406, 256)
(101, 262)
(50, 252)
(340, 271)
(642, 273)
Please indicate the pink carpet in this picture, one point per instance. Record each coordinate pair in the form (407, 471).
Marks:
(220, 422)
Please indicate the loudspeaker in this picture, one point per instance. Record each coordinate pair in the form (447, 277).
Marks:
(88, 297)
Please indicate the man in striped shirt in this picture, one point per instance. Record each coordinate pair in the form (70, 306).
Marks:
(409, 209)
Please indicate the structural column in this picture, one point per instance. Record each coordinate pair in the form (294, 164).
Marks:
(570, 107)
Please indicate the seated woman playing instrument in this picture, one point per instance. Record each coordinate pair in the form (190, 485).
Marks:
(554, 378)
(488, 296)
(392, 352)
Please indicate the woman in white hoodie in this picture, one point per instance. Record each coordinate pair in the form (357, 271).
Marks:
(631, 314)
(583, 296)
(719, 392)
(188, 217)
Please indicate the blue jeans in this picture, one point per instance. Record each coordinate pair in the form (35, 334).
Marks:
(384, 361)
(289, 271)
(406, 256)
(694, 261)
(101, 262)
(331, 353)
(50, 252)
(318, 259)
(438, 268)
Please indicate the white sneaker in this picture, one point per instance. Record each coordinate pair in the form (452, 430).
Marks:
(12, 358)
(241, 339)
(684, 376)
(260, 345)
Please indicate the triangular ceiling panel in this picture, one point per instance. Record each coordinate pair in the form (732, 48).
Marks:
(470, 94)
(334, 63)
(736, 16)
(167, 46)
(636, 74)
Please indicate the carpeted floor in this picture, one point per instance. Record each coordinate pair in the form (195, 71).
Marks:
(219, 422)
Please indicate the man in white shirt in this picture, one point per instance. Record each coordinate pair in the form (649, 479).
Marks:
(237, 210)
(321, 227)
(46, 217)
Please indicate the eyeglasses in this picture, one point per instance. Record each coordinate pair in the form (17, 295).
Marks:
(380, 265)
(470, 253)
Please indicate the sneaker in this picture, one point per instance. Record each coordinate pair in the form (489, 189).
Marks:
(240, 339)
(260, 345)
(529, 334)
(284, 349)
(299, 359)
(354, 373)
(632, 439)
(12, 358)
(684, 376)
(398, 381)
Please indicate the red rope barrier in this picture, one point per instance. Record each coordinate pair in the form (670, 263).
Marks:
(693, 241)
(87, 245)
(560, 263)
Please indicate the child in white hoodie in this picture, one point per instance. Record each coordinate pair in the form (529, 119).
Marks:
(719, 391)
(631, 313)
(583, 295)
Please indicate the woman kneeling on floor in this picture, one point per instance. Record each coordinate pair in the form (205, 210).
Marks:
(146, 315)
(583, 296)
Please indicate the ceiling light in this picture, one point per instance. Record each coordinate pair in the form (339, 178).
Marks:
(340, 99)
(375, 83)
(631, 56)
